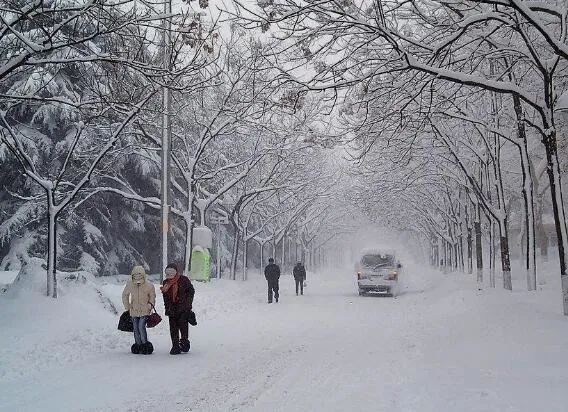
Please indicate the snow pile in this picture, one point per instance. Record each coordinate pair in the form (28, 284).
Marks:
(6, 279)
(30, 278)
(39, 332)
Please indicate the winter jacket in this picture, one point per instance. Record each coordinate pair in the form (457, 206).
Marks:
(299, 272)
(184, 303)
(138, 294)
(272, 272)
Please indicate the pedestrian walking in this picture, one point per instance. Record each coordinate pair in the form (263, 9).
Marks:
(138, 298)
(178, 295)
(272, 275)
(299, 277)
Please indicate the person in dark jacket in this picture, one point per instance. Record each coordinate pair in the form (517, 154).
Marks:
(272, 275)
(299, 277)
(178, 300)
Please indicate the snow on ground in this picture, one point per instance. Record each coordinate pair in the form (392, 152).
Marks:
(442, 345)
(6, 278)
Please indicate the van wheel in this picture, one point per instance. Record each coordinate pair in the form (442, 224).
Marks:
(361, 293)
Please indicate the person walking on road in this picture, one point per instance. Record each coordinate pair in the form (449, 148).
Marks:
(178, 300)
(299, 277)
(272, 275)
(138, 298)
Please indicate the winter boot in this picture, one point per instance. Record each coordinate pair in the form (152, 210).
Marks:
(135, 348)
(148, 348)
(184, 345)
(175, 350)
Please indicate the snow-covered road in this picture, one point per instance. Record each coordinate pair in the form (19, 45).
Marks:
(441, 346)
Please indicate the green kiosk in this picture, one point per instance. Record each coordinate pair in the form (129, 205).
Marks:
(200, 256)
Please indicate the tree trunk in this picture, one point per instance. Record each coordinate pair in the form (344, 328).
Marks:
(469, 251)
(188, 243)
(218, 251)
(437, 254)
(461, 254)
(51, 248)
(540, 232)
(283, 257)
(261, 256)
(505, 257)
(492, 253)
(543, 243)
(528, 197)
(528, 203)
(456, 259)
(478, 250)
(296, 254)
(245, 255)
(445, 264)
(503, 229)
(234, 255)
(553, 171)
(312, 256)
(273, 244)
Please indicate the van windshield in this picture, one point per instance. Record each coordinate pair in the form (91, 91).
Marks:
(374, 261)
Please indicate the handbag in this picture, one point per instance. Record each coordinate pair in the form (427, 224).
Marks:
(125, 322)
(153, 318)
(191, 318)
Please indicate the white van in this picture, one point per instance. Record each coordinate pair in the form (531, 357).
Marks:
(378, 271)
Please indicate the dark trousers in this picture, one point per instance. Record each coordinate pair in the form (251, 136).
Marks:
(178, 325)
(300, 283)
(272, 287)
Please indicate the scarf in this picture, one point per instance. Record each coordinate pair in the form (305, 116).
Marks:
(171, 287)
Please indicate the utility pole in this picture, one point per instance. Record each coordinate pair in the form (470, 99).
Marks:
(166, 135)
(219, 220)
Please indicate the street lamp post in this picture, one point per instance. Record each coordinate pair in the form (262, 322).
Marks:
(166, 136)
(219, 220)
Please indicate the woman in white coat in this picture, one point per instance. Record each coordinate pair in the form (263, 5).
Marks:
(138, 298)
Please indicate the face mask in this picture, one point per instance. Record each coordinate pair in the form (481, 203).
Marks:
(138, 278)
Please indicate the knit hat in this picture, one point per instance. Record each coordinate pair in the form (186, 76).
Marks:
(138, 274)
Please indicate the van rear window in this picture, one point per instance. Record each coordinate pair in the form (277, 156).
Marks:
(377, 260)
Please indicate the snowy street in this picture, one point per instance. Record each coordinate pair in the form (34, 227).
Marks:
(440, 346)
(182, 157)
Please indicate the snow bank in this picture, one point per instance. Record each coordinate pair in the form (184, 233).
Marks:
(31, 278)
(6, 279)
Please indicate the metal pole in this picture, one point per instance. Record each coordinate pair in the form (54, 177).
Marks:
(283, 250)
(261, 256)
(245, 251)
(166, 139)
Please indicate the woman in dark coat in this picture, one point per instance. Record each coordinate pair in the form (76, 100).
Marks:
(178, 300)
